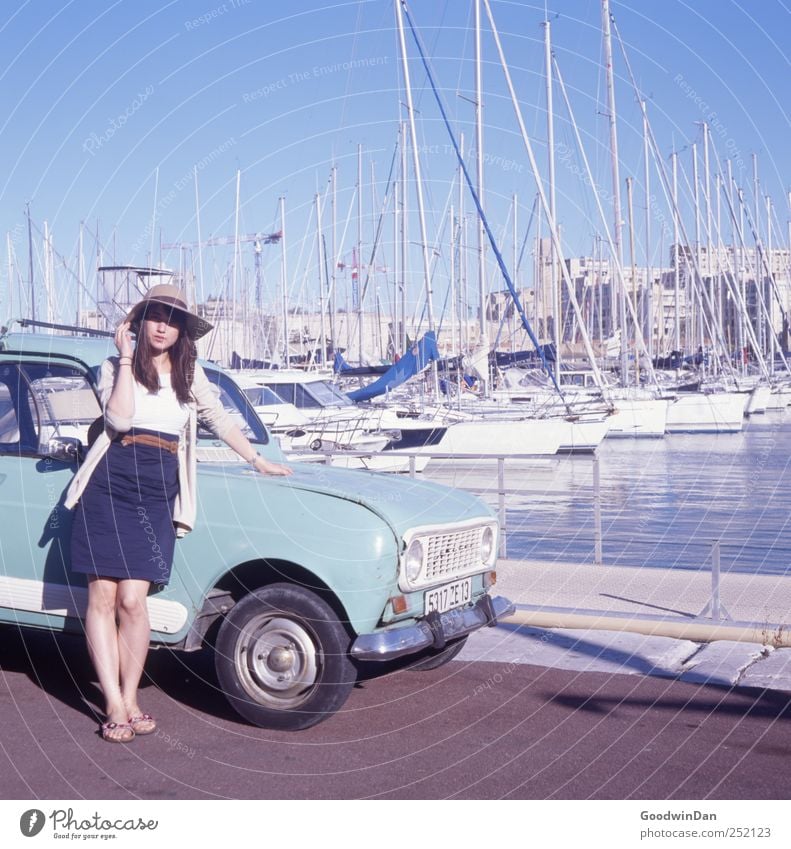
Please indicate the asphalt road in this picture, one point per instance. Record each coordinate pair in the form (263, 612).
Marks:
(469, 730)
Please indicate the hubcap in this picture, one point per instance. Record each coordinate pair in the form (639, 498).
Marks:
(277, 661)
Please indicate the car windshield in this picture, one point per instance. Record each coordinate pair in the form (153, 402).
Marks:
(235, 403)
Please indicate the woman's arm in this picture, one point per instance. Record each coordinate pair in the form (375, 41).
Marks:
(119, 408)
(234, 438)
(211, 411)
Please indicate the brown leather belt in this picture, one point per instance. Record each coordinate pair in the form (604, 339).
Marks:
(151, 440)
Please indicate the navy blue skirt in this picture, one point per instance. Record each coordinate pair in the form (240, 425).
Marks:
(123, 523)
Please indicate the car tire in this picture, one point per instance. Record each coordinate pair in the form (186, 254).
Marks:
(434, 658)
(282, 658)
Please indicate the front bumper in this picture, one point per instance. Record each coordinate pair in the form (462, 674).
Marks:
(435, 630)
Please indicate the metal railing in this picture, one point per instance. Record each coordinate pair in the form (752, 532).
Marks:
(326, 456)
(714, 609)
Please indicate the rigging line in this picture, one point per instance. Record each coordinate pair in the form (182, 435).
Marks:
(752, 268)
(734, 291)
(527, 234)
(62, 260)
(761, 253)
(507, 312)
(379, 223)
(616, 261)
(438, 28)
(665, 183)
(477, 201)
(463, 53)
(357, 28)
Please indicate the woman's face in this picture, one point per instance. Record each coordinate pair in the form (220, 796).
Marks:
(162, 327)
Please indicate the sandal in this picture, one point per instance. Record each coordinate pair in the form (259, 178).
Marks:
(142, 724)
(107, 727)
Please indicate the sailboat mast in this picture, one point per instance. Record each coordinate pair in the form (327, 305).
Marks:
(236, 256)
(648, 309)
(283, 281)
(332, 282)
(418, 172)
(737, 227)
(676, 258)
(616, 187)
(630, 214)
(30, 263)
(322, 305)
(770, 303)
(715, 300)
(553, 276)
(462, 293)
(404, 233)
(11, 275)
(515, 236)
(199, 295)
(360, 252)
(479, 172)
(758, 250)
(695, 306)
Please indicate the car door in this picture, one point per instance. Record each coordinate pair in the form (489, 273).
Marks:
(45, 411)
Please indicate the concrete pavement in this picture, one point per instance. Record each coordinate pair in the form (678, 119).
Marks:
(642, 621)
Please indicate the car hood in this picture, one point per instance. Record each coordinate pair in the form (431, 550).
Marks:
(403, 503)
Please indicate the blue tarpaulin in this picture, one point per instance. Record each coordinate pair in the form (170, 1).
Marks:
(413, 362)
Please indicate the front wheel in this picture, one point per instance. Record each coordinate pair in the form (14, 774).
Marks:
(282, 658)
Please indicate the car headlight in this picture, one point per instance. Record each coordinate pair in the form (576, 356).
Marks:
(487, 546)
(413, 562)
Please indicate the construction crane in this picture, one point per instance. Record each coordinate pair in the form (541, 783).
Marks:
(259, 240)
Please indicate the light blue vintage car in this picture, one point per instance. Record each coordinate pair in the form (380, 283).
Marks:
(302, 577)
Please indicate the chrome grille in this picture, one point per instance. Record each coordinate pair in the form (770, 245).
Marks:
(454, 553)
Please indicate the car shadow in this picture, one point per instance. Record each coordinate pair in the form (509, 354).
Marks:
(57, 663)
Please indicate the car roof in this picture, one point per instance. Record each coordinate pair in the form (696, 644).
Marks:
(91, 350)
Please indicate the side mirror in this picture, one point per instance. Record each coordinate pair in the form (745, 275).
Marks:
(67, 449)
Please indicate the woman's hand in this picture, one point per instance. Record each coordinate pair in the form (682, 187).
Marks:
(267, 467)
(123, 339)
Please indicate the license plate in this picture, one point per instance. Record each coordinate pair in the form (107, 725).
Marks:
(449, 596)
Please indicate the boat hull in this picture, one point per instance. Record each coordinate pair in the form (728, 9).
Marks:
(641, 418)
(696, 412)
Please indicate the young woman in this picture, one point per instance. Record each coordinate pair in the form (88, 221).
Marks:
(135, 491)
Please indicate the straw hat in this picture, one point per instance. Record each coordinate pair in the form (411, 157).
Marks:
(173, 297)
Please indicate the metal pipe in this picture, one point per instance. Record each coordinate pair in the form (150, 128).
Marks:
(776, 635)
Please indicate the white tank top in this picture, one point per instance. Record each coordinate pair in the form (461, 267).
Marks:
(159, 410)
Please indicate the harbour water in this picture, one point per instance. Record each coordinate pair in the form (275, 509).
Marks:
(663, 502)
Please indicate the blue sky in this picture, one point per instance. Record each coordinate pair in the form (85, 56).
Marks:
(107, 105)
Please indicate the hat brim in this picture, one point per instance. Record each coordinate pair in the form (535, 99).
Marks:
(195, 326)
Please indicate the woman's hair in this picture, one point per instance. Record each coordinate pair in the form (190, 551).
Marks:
(182, 358)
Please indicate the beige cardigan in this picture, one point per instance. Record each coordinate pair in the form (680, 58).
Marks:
(203, 402)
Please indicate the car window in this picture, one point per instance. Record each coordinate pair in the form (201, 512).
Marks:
(61, 401)
(9, 423)
(236, 404)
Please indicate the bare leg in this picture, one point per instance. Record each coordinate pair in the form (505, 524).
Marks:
(134, 633)
(102, 636)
